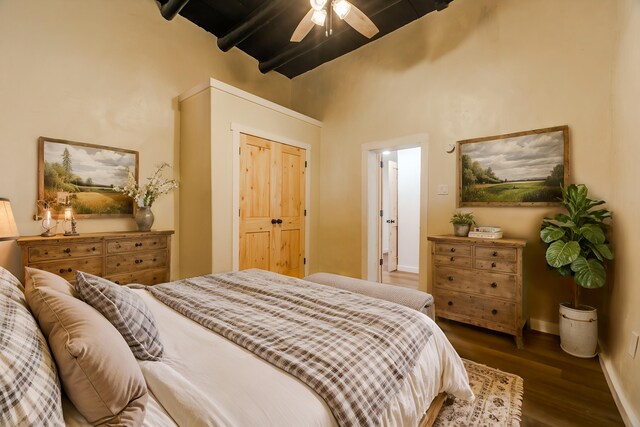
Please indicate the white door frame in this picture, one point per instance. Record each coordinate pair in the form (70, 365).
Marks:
(237, 129)
(370, 261)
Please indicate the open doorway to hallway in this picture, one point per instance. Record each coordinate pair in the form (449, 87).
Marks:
(399, 233)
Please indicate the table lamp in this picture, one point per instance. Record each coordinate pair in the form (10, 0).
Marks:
(8, 228)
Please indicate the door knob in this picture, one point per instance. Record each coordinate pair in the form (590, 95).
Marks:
(274, 221)
(279, 221)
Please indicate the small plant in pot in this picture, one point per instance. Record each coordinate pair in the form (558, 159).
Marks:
(578, 247)
(462, 223)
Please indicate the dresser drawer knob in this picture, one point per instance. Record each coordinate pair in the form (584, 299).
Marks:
(495, 253)
(453, 249)
(493, 265)
(450, 278)
(452, 259)
(61, 270)
(117, 282)
(494, 285)
(450, 303)
(67, 251)
(93, 249)
(494, 311)
(46, 252)
(154, 260)
(138, 245)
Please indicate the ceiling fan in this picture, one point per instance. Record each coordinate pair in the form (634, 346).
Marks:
(321, 10)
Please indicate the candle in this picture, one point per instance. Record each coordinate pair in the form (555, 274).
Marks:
(68, 214)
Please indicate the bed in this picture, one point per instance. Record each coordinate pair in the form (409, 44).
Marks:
(205, 379)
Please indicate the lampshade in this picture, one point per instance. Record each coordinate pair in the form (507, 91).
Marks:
(8, 228)
(341, 8)
(319, 16)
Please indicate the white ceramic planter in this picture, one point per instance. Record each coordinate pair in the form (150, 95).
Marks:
(579, 330)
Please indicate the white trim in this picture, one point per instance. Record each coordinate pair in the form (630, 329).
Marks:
(544, 326)
(369, 258)
(237, 129)
(625, 407)
(224, 87)
(408, 269)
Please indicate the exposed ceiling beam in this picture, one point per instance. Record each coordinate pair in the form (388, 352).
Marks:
(256, 20)
(294, 50)
(170, 9)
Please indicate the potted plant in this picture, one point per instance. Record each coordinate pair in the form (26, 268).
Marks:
(578, 247)
(462, 223)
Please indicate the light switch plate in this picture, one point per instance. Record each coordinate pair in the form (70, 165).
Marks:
(443, 189)
(633, 345)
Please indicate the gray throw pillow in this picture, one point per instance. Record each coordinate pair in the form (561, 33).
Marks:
(126, 311)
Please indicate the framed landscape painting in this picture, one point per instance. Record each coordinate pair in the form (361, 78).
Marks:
(517, 169)
(83, 176)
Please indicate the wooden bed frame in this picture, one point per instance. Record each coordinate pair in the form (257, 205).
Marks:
(433, 411)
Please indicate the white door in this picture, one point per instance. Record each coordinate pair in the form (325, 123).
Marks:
(393, 216)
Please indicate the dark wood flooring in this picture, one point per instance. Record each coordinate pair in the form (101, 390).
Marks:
(559, 389)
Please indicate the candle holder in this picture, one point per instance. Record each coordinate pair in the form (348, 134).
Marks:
(70, 219)
(48, 223)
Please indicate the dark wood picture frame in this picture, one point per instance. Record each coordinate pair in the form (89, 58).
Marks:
(507, 182)
(98, 201)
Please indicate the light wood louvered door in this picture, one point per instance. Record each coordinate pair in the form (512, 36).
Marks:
(272, 206)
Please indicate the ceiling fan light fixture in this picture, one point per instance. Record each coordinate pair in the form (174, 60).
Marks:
(319, 16)
(341, 8)
(318, 4)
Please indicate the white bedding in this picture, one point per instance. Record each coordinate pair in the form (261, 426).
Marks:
(206, 380)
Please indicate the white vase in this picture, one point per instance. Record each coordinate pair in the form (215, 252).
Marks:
(579, 330)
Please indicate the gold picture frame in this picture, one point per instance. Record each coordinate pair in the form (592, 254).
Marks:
(515, 169)
(82, 176)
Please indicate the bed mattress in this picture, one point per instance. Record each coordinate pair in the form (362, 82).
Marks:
(206, 380)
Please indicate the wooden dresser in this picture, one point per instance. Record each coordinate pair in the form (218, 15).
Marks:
(124, 257)
(479, 281)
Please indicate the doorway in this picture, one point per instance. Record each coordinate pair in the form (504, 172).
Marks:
(400, 225)
(391, 231)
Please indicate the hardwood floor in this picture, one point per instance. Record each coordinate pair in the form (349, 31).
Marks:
(559, 389)
(400, 278)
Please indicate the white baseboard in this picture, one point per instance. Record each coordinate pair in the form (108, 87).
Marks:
(408, 269)
(544, 326)
(624, 406)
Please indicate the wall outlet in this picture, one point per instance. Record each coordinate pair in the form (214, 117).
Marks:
(633, 345)
(443, 189)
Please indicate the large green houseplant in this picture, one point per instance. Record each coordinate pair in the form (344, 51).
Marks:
(578, 247)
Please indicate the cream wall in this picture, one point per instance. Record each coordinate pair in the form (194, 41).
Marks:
(478, 68)
(624, 293)
(103, 72)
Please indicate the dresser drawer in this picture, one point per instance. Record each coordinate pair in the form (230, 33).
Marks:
(478, 282)
(135, 262)
(495, 265)
(69, 268)
(459, 249)
(453, 260)
(136, 244)
(72, 250)
(475, 308)
(501, 254)
(146, 277)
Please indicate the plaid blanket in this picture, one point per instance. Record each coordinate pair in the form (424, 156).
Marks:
(352, 350)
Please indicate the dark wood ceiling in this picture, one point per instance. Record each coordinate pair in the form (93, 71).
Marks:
(262, 28)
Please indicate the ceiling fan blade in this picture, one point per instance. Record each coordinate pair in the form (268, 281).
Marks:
(303, 27)
(361, 22)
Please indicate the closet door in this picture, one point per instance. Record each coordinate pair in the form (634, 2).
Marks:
(272, 206)
(290, 192)
(257, 204)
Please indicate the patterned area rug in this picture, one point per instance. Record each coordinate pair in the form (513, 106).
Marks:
(498, 400)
